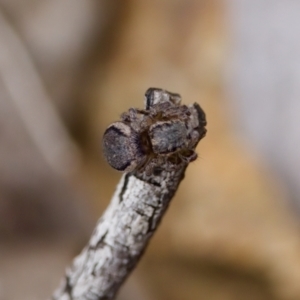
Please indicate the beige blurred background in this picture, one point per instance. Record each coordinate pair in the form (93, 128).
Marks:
(70, 67)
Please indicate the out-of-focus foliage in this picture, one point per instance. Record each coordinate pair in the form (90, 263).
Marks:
(69, 68)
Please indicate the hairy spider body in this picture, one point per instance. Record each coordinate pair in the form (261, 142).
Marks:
(123, 147)
(166, 136)
(163, 132)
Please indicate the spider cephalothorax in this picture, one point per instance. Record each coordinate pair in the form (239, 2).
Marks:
(164, 131)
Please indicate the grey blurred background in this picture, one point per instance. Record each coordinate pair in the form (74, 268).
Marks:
(69, 68)
(264, 68)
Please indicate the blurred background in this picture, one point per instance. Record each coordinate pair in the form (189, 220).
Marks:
(69, 68)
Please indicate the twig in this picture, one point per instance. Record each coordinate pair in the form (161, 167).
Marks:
(142, 195)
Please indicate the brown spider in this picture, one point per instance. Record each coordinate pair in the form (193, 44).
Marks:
(165, 132)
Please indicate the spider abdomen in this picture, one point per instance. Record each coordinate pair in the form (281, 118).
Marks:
(122, 147)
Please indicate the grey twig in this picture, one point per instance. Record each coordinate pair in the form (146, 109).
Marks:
(154, 146)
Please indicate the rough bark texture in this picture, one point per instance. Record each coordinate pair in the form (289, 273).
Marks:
(120, 237)
(137, 206)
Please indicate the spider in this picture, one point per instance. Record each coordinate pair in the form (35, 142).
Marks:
(164, 133)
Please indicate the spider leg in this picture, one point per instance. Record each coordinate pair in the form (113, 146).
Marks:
(188, 156)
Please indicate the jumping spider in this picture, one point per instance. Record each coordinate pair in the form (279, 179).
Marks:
(164, 133)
